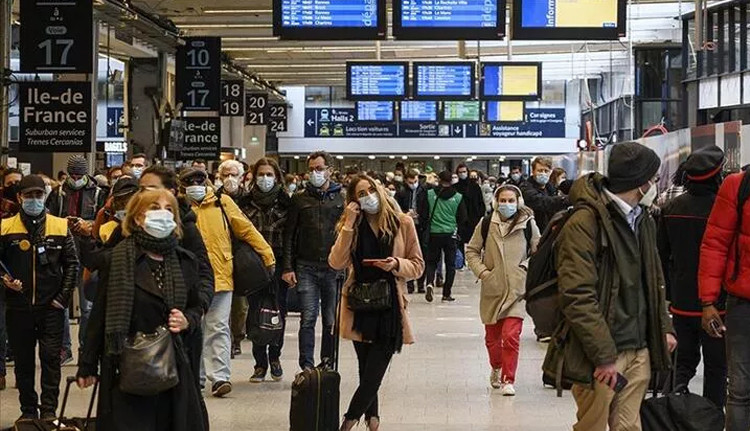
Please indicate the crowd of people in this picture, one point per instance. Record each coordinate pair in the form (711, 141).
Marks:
(150, 252)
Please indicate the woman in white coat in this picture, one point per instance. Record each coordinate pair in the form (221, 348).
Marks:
(511, 236)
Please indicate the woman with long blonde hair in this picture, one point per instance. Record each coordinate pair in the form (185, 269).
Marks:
(379, 246)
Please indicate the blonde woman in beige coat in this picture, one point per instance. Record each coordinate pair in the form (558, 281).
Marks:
(500, 262)
(376, 242)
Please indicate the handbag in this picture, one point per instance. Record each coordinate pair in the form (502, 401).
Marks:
(373, 296)
(265, 321)
(249, 272)
(148, 363)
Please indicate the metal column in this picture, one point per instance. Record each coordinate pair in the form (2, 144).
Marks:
(94, 95)
(6, 22)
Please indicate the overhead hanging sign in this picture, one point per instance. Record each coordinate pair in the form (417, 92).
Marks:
(278, 115)
(201, 138)
(55, 116)
(56, 36)
(232, 100)
(256, 109)
(115, 121)
(198, 70)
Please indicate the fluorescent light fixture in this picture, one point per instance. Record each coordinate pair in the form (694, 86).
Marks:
(199, 26)
(279, 72)
(296, 157)
(436, 157)
(249, 38)
(391, 157)
(340, 157)
(231, 11)
(287, 66)
(404, 157)
(371, 157)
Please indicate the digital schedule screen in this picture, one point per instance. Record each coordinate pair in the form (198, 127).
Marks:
(444, 80)
(448, 19)
(376, 81)
(500, 112)
(460, 110)
(418, 110)
(511, 81)
(569, 19)
(329, 19)
(378, 111)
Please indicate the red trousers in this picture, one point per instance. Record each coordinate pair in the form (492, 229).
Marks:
(502, 340)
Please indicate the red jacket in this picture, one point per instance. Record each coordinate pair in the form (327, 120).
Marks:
(718, 250)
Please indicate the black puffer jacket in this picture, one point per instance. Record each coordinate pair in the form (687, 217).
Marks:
(311, 226)
(543, 200)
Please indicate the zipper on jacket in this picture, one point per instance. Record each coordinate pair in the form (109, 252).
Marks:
(33, 276)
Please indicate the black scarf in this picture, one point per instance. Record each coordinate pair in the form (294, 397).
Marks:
(121, 284)
(265, 200)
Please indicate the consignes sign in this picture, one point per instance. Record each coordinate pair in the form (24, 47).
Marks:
(55, 116)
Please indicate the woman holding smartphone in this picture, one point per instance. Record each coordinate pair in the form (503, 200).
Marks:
(379, 246)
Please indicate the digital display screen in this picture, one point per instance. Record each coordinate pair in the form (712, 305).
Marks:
(375, 111)
(418, 110)
(376, 80)
(326, 19)
(569, 19)
(511, 81)
(499, 112)
(444, 80)
(448, 19)
(461, 110)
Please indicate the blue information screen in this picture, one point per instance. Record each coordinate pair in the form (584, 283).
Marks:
(449, 13)
(377, 80)
(415, 110)
(450, 80)
(375, 111)
(329, 13)
(493, 81)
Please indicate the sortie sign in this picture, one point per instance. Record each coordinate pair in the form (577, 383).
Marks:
(55, 116)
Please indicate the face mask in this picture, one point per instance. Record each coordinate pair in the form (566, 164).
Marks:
(542, 179)
(414, 186)
(370, 203)
(77, 184)
(507, 210)
(231, 185)
(218, 183)
(515, 177)
(159, 223)
(195, 193)
(47, 190)
(11, 192)
(318, 178)
(137, 172)
(391, 193)
(398, 179)
(463, 175)
(120, 215)
(265, 184)
(648, 198)
(454, 180)
(293, 187)
(33, 207)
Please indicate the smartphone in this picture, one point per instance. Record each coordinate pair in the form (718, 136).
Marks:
(715, 326)
(72, 220)
(621, 383)
(5, 270)
(371, 262)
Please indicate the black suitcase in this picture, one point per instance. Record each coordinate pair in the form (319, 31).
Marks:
(62, 424)
(315, 392)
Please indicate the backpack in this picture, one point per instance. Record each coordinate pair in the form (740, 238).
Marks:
(742, 196)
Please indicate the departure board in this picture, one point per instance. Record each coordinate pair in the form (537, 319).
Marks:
(569, 19)
(501, 112)
(376, 81)
(511, 81)
(418, 110)
(378, 111)
(461, 110)
(444, 80)
(448, 19)
(329, 19)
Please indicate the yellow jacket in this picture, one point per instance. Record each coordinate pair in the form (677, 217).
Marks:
(213, 229)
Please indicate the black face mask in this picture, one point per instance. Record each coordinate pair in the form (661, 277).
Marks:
(11, 192)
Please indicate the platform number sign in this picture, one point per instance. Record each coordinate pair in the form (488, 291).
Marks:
(232, 102)
(277, 117)
(256, 109)
(198, 73)
(56, 36)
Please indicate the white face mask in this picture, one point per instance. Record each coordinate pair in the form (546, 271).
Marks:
(231, 184)
(398, 178)
(195, 193)
(391, 193)
(463, 175)
(370, 203)
(318, 178)
(218, 183)
(159, 223)
(265, 184)
(648, 198)
(454, 180)
(77, 184)
(293, 187)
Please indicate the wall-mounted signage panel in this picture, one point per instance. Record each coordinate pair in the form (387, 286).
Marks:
(418, 111)
(448, 19)
(198, 70)
(202, 138)
(375, 111)
(569, 19)
(510, 81)
(444, 80)
(55, 116)
(377, 81)
(329, 19)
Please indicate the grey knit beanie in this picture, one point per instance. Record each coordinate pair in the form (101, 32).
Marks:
(77, 165)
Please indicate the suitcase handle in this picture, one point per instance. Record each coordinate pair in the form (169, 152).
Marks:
(68, 382)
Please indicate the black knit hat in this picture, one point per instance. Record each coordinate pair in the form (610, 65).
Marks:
(631, 165)
(704, 164)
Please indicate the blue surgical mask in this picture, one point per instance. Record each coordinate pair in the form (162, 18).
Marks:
(137, 172)
(293, 187)
(159, 223)
(542, 179)
(265, 184)
(120, 215)
(507, 210)
(515, 177)
(77, 184)
(195, 193)
(370, 203)
(33, 206)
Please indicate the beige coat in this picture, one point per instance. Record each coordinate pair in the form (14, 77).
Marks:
(410, 266)
(502, 275)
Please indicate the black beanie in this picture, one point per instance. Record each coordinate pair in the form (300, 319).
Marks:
(631, 165)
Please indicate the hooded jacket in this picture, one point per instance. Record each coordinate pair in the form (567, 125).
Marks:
(610, 285)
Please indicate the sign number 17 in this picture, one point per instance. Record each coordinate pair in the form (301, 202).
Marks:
(47, 46)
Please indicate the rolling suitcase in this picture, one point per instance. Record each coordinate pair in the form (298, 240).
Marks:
(315, 392)
(63, 423)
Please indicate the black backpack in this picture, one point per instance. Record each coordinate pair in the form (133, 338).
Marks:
(742, 196)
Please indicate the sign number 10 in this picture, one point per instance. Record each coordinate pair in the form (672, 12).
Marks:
(49, 49)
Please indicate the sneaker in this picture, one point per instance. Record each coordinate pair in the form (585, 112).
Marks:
(237, 350)
(429, 295)
(276, 371)
(258, 376)
(448, 299)
(66, 357)
(220, 389)
(508, 390)
(495, 379)
(439, 281)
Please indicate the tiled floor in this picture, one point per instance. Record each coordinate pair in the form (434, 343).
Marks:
(438, 384)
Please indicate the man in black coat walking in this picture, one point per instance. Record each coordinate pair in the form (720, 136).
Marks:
(473, 198)
(540, 195)
(413, 201)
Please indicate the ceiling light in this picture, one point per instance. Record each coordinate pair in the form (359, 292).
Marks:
(340, 157)
(199, 26)
(391, 157)
(279, 72)
(249, 38)
(404, 157)
(230, 11)
(436, 157)
(296, 157)
(285, 66)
